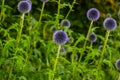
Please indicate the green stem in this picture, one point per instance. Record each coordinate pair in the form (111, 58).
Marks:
(2, 9)
(19, 32)
(44, 31)
(70, 9)
(55, 65)
(84, 46)
(103, 50)
(10, 72)
(74, 51)
(17, 43)
(43, 5)
(104, 46)
(89, 52)
(90, 47)
(58, 13)
(119, 77)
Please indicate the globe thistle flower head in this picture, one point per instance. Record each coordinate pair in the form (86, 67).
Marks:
(60, 37)
(65, 22)
(24, 6)
(45, 1)
(92, 37)
(93, 14)
(117, 64)
(110, 24)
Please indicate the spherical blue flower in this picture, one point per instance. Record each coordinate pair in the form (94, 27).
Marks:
(24, 6)
(92, 37)
(110, 24)
(60, 37)
(65, 22)
(45, 1)
(117, 64)
(93, 14)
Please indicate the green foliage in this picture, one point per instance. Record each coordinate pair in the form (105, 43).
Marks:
(28, 52)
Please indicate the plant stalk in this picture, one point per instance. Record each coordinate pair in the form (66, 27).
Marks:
(84, 46)
(56, 61)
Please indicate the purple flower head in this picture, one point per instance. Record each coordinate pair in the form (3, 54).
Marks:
(117, 64)
(92, 37)
(65, 22)
(24, 6)
(60, 37)
(93, 14)
(110, 24)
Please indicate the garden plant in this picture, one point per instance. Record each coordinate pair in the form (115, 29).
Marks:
(59, 40)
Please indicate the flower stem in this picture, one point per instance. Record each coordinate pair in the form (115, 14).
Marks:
(10, 72)
(17, 44)
(70, 9)
(103, 50)
(2, 9)
(84, 46)
(43, 5)
(119, 77)
(104, 46)
(58, 13)
(55, 65)
(19, 32)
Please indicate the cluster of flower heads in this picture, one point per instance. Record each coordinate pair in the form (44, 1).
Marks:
(109, 23)
(60, 36)
(24, 6)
